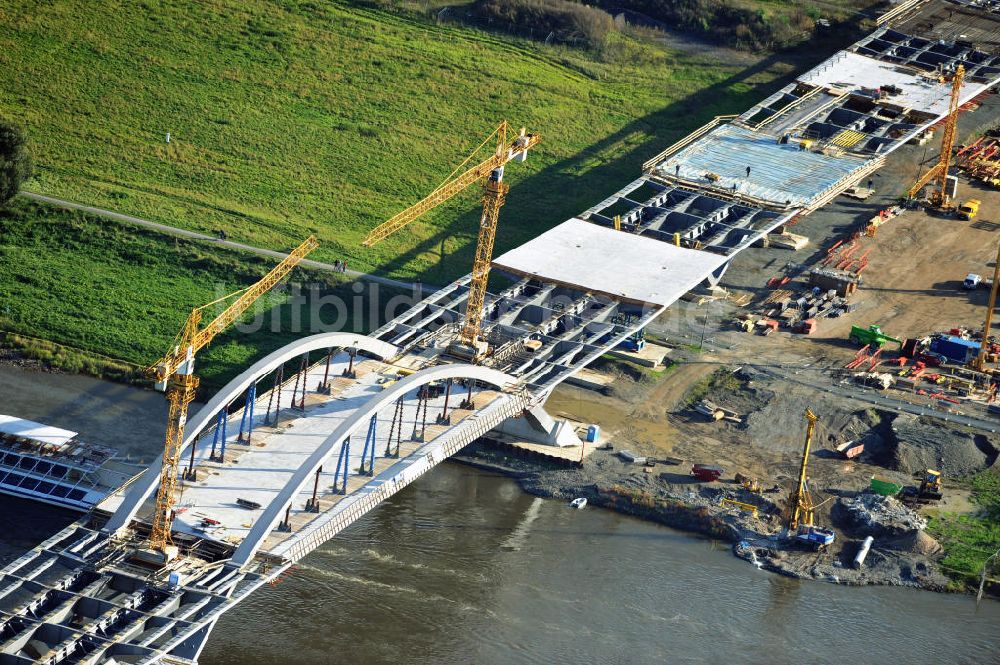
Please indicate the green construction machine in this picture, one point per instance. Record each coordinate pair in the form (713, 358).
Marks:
(872, 335)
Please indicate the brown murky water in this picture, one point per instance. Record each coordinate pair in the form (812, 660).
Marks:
(462, 567)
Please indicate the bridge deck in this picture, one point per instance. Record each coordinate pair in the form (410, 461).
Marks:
(258, 470)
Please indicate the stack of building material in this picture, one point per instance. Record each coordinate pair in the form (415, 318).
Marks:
(631, 458)
(788, 240)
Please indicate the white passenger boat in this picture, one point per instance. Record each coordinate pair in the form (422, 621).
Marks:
(579, 502)
(48, 464)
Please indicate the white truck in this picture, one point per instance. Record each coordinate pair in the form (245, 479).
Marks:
(974, 281)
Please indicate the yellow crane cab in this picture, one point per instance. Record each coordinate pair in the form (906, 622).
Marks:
(969, 209)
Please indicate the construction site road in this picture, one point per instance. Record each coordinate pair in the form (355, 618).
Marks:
(869, 396)
(229, 244)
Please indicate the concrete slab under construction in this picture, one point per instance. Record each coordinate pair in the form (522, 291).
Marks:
(782, 174)
(657, 209)
(950, 21)
(903, 86)
(619, 265)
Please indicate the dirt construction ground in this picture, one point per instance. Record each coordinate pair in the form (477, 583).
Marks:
(911, 287)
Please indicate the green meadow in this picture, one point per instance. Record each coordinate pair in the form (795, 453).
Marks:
(296, 117)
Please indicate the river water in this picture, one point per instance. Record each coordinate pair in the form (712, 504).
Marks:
(462, 567)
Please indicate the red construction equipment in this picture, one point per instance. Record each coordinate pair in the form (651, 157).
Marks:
(875, 359)
(775, 282)
(860, 357)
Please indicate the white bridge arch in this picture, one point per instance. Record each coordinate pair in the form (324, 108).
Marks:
(142, 488)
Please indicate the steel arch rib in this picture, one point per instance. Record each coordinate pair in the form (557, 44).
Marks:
(141, 489)
(357, 420)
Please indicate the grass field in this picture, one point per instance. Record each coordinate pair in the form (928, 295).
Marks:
(969, 540)
(297, 116)
(124, 292)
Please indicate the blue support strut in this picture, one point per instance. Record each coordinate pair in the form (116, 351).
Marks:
(224, 416)
(220, 423)
(342, 461)
(247, 408)
(371, 460)
(369, 446)
(252, 399)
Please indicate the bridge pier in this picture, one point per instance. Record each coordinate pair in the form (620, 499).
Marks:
(397, 427)
(248, 413)
(301, 375)
(349, 372)
(423, 397)
(279, 378)
(286, 524)
(324, 386)
(342, 462)
(370, 448)
(468, 403)
(716, 275)
(537, 426)
(221, 425)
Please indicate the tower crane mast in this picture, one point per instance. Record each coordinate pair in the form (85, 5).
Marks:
(174, 374)
(489, 171)
(939, 172)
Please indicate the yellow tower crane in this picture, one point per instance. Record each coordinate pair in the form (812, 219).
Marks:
(939, 172)
(979, 362)
(490, 172)
(174, 374)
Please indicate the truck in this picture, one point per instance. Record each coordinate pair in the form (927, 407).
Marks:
(706, 473)
(872, 335)
(974, 281)
(969, 208)
(955, 348)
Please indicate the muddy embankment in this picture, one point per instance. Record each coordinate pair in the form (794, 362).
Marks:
(901, 556)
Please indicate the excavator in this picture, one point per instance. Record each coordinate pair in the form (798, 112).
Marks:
(801, 508)
(930, 489)
(930, 486)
